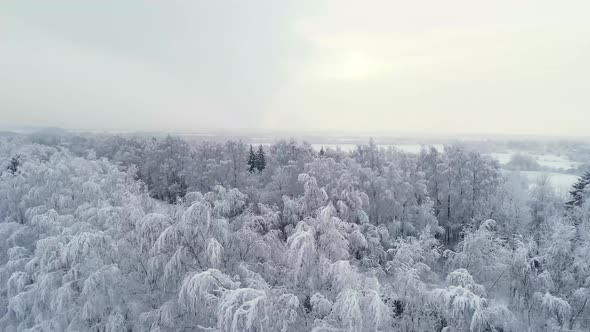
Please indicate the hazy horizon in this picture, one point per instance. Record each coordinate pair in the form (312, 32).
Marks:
(273, 134)
(426, 67)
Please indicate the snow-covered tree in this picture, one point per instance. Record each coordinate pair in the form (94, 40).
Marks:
(121, 233)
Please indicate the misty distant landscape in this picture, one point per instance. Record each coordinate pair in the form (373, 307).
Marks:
(295, 166)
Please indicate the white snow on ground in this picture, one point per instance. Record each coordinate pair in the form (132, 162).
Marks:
(502, 157)
(557, 162)
(547, 160)
(560, 181)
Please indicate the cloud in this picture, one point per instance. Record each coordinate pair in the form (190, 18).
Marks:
(445, 69)
(149, 65)
(421, 66)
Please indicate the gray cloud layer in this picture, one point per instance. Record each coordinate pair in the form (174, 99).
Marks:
(144, 64)
(452, 67)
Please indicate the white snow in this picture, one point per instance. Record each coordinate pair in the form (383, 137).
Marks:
(546, 160)
(560, 181)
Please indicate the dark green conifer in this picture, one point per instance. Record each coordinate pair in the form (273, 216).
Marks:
(14, 164)
(252, 160)
(260, 159)
(577, 192)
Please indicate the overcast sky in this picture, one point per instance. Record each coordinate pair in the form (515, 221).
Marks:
(453, 66)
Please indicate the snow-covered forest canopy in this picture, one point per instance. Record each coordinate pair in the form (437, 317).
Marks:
(131, 233)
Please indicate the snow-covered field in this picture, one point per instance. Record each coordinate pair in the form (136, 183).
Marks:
(560, 181)
(557, 162)
(502, 157)
(547, 160)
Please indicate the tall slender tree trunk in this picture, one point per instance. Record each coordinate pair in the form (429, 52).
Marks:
(473, 194)
(449, 213)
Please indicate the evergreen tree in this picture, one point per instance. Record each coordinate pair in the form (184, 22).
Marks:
(577, 192)
(322, 152)
(14, 164)
(260, 159)
(252, 160)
